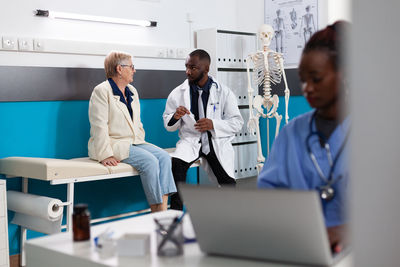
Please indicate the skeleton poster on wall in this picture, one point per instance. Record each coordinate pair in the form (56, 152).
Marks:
(294, 21)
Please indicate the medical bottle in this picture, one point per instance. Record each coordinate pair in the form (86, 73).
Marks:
(81, 222)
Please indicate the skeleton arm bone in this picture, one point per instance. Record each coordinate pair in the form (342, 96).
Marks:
(250, 90)
(287, 91)
(251, 124)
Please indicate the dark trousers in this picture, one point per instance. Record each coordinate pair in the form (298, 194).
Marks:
(179, 170)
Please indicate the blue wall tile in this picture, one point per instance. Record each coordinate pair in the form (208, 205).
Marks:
(60, 129)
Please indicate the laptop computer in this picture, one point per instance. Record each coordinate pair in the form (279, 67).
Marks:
(273, 225)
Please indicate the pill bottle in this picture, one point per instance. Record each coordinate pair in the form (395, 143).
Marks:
(81, 222)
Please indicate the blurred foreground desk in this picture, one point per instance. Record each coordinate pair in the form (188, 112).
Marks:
(59, 250)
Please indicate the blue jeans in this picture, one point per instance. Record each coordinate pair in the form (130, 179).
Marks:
(154, 167)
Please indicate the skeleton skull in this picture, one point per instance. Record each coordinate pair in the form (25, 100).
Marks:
(266, 33)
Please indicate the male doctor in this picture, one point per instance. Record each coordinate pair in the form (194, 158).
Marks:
(207, 116)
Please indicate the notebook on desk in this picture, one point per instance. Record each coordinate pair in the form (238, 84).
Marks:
(273, 225)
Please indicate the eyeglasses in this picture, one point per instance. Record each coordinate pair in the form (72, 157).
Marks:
(130, 66)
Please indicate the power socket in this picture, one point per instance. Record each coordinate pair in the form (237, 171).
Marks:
(25, 44)
(181, 53)
(9, 43)
(162, 52)
(171, 52)
(38, 45)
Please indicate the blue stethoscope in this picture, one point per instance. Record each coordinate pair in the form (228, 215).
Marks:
(326, 191)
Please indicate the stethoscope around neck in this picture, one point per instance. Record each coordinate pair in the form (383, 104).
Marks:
(326, 192)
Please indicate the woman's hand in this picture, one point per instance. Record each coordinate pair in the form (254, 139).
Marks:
(110, 161)
(337, 237)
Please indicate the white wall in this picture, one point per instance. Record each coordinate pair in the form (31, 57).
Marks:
(339, 10)
(172, 30)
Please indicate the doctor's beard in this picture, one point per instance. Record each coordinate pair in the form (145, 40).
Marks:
(196, 81)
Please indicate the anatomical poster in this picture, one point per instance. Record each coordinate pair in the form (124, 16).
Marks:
(294, 21)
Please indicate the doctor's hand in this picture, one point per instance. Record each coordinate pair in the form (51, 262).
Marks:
(110, 161)
(203, 125)
(180, 112)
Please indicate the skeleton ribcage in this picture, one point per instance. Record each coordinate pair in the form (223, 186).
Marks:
(265, 77)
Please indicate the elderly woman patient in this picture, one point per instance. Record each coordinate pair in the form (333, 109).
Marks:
(117, 134)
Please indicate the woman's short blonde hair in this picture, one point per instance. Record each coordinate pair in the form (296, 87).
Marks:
(112, 60)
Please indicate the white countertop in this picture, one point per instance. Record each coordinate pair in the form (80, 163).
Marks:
(59, 249)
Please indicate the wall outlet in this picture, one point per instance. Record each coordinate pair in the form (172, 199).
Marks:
(162, 52)
(181, 53)
(25, 44)
(171, 53)
(9, 43)
(38, 45)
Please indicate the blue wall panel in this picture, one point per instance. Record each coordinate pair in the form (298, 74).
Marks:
(60, 129)
(44, 129)
(297, 106)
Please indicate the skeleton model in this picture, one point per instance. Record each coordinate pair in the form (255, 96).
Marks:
(268, 68)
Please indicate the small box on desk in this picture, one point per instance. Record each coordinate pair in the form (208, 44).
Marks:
(131, 244)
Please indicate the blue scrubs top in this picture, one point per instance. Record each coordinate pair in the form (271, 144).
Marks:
(290, 166)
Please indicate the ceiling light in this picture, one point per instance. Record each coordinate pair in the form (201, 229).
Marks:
(73, 16)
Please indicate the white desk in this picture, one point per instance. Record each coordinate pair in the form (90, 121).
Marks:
(59, 250)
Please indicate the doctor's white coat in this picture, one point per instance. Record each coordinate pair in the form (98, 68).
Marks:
(222, 109)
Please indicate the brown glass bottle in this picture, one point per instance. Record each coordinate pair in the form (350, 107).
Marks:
(81, 222)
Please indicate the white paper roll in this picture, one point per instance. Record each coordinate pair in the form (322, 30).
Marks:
(43, 207)
(37, 224)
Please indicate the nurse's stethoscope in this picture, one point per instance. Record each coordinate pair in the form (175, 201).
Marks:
(326, 191)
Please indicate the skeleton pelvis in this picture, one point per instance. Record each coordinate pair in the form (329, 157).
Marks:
(262, 104)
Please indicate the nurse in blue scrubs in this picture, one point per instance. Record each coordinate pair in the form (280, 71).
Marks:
(310, 152)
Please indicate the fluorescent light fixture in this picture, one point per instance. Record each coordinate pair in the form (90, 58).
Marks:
(72, 16)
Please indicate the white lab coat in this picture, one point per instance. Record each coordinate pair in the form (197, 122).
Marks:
(222, 109)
